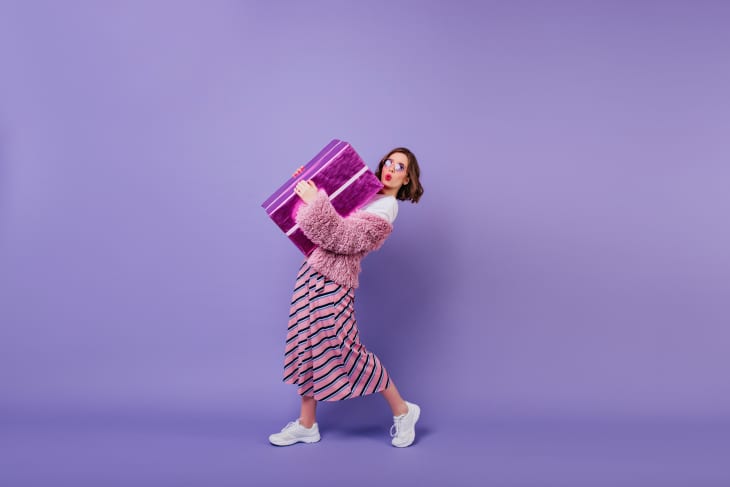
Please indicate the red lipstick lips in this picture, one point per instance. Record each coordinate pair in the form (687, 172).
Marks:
(388, 177)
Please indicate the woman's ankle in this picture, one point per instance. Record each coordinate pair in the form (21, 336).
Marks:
(400, 409)
(307, 424)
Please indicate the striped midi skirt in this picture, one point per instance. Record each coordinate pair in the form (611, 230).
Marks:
(323, 356)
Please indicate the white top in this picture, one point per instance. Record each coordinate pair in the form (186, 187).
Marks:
(384, 206)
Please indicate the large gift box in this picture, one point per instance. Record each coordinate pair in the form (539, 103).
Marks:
(340, 172)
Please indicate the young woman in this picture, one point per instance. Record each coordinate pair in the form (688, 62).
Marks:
(323, 355)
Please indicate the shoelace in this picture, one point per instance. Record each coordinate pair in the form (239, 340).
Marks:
(396, 426)
(289, 425)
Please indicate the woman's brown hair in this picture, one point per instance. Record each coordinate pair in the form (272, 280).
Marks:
(412, 190)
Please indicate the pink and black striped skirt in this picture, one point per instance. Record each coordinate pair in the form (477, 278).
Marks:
(323, 354)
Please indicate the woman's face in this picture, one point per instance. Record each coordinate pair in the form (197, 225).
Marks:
(395, 173)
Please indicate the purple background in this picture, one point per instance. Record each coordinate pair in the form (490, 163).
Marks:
(557, 303)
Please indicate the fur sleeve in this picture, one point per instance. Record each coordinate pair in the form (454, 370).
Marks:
(359, 232)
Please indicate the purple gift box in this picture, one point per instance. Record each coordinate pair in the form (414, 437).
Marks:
(341, 173)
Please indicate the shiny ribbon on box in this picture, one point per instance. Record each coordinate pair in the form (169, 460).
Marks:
(341, 173)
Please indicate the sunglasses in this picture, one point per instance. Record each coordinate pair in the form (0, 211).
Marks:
(399, 166)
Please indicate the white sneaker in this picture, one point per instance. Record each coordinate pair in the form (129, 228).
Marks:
(403, 430)
(294, 433)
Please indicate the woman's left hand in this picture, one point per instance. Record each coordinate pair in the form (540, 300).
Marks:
(306, 190)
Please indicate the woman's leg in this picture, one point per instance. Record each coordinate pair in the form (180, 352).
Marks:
(309, 409)
(396, 402)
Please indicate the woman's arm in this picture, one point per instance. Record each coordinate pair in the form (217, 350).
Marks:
(359, 232)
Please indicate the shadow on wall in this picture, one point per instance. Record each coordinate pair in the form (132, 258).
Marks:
(4, 173)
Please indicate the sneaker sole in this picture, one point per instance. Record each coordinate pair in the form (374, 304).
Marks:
(313, 439)
(411, 440)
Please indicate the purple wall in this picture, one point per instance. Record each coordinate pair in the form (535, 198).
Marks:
(570, 254)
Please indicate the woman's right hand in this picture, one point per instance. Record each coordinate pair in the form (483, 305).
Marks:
(306, 190)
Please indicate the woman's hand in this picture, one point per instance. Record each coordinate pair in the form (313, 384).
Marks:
(298, 171)
(306, 190)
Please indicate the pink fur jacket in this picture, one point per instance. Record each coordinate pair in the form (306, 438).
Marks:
(341, 242)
